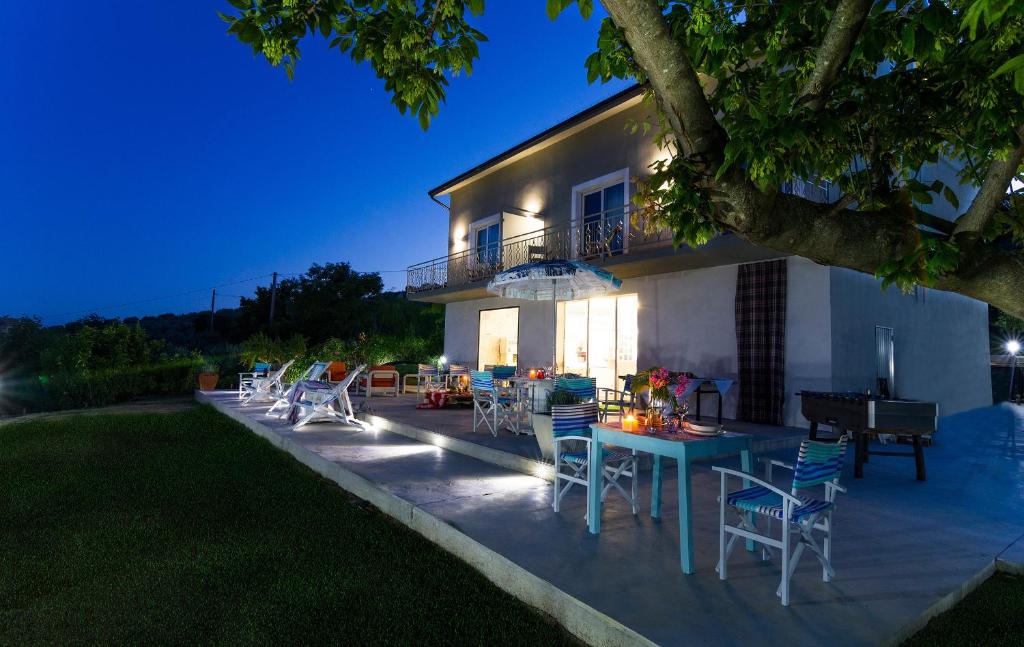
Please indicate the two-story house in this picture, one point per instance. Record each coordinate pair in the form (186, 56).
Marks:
(565, 193)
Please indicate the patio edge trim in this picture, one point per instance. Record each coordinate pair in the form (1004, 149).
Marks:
(498, 457)
(945, 604)
(581, 620)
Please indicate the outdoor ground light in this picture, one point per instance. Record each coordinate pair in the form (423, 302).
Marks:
(1013, 347)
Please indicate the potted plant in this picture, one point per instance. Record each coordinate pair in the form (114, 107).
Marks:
(208, 376)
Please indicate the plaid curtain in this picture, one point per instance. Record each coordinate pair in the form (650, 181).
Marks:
(761, 340)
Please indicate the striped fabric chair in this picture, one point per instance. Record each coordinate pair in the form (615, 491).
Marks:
(456, 373)
(612, 402)
(819, 463)
(503, 372)
(570, 426)
(492, 405)
(426, 374)
(583, 387)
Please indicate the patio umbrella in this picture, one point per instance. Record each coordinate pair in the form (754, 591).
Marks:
(553, 281)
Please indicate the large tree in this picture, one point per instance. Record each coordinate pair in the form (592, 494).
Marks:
(858, 94)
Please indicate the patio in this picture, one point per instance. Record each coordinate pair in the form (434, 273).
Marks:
(902, 547)
(457, 423)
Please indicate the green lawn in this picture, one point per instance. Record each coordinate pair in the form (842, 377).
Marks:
(993, 614)
(186, 528)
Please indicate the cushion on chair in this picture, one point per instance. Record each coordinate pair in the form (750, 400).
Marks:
(336, 371)
(761, 500)
(608, 455)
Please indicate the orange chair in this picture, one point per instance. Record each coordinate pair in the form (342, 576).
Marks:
(382, 380)
(336, 371)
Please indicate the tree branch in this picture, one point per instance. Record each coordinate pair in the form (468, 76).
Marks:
(935, 222)
(863, 241)
(992, 192)
(672, 77)
(834, 51)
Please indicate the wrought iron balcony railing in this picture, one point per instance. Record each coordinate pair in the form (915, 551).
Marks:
(597, 239)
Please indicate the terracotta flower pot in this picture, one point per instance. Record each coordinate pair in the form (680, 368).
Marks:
(208, 381)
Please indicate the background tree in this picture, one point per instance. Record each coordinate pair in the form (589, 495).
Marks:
(862, 95)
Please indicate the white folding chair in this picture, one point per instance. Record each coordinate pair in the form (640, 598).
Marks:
(270, 387)
(570, 426)
(314, 372)
(819, 463)
(492, 406)
(331, 404)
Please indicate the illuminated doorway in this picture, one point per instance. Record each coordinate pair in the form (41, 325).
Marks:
(499, 338)
(598, 338)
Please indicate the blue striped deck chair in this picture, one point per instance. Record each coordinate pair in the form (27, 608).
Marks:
(315, 371)
(583, 387)
(570, 426)
(492, 405)
(612, 402)
(818, 464)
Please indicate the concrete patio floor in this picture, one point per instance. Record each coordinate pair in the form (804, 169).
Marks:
(458, 423)
(902, 547)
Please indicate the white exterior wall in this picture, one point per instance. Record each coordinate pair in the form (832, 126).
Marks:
(686, 321)
(462, 330)
(940, 344)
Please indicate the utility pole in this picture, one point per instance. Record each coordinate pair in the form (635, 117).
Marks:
(273, 297)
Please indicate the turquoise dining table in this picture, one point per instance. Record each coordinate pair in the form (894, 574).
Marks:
(682, 447)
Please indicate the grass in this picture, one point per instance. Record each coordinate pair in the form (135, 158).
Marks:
(993, 614)
(185, 528)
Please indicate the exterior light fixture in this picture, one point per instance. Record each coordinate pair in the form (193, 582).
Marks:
(1012, 347)
(442, 360)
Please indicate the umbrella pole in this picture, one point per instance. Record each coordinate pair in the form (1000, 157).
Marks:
(554, 328)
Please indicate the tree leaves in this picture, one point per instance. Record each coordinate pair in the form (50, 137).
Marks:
(411, 46)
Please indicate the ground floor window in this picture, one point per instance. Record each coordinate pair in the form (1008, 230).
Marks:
(598, 338)
(499, 338)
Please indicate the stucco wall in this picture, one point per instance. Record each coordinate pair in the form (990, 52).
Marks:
(462, 322)
(686, 321)
(542, 182)
(940, 341)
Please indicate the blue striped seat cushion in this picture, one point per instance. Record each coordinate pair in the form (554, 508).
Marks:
(761, 500)
(609, 456)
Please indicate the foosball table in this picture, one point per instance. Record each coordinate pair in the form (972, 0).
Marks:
(865, 415)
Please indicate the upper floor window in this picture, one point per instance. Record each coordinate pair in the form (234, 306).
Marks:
(486, 238)
(601, 218)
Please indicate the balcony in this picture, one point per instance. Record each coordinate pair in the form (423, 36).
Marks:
(601, 239)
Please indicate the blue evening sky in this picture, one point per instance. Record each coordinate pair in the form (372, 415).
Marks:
(144, 152)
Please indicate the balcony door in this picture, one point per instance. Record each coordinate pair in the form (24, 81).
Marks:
(486, 236)
(599, 214)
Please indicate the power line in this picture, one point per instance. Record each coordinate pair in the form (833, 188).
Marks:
(152, 299)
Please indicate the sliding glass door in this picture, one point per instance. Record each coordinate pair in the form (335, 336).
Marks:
(598, 338)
